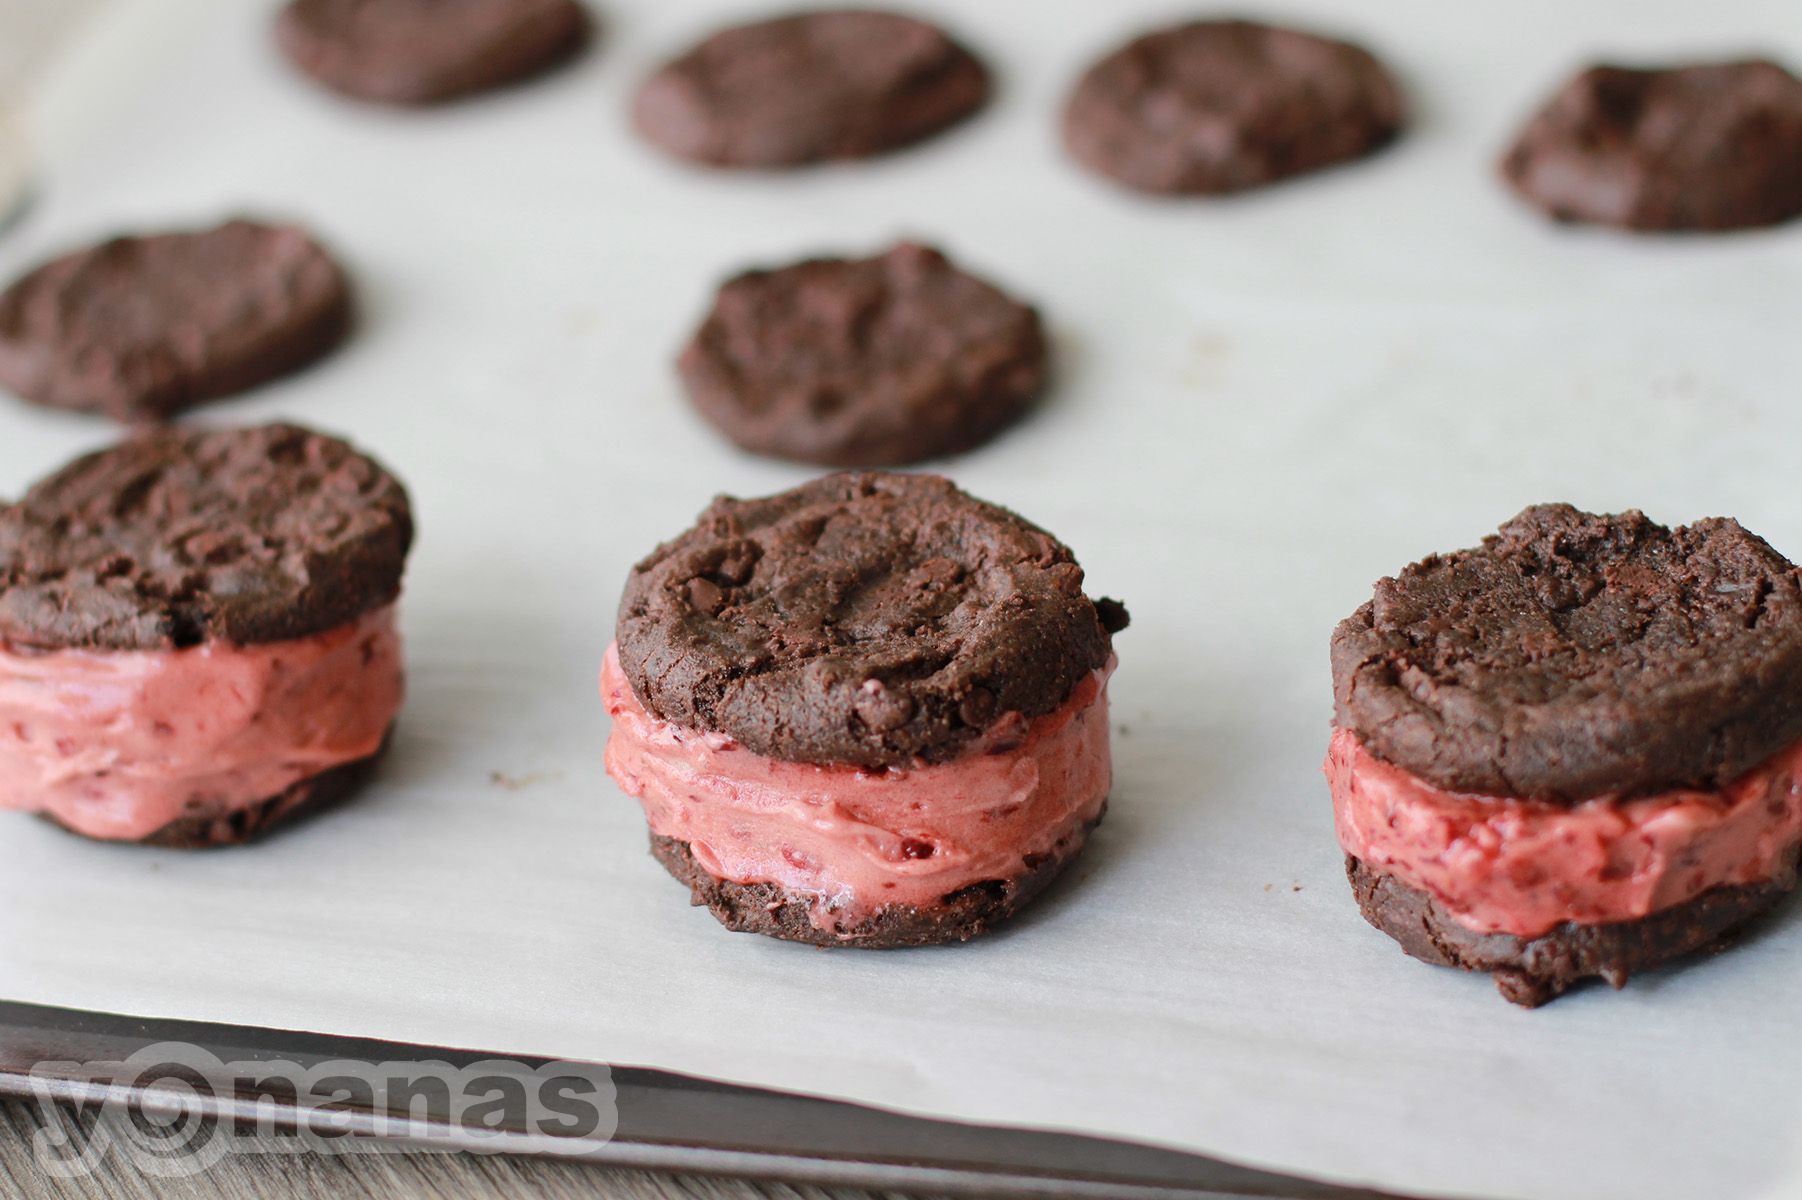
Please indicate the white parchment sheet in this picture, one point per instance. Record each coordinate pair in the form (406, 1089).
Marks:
(1262, 405)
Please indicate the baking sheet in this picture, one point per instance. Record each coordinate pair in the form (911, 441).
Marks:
(1263, 404)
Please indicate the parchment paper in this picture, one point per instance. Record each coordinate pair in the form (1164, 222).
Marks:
(1263, 404)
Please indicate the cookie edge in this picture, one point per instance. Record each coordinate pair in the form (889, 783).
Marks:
(1533, 971)
(777, 912)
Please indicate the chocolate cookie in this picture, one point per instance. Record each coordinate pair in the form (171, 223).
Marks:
(863, 619)
(1574, 655)
(1705, 148)
(1217, 106)
(777, 912)
(140, 328)
(178, 536)
(427, 51)
(820, 85)
(1531, 971)
(864, 362)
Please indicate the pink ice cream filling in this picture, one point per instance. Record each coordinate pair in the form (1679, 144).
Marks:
(857, 840)
(1524, 867)
(117, 744)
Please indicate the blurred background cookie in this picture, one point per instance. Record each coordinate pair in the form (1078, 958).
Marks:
(1219, 106)
(427, 51)
(140, 328)
(1710, 147)
(864, 362)
(799, 89)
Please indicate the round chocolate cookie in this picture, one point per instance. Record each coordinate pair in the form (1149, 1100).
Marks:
(864, 362)
(1531, 971)
(863, 619)
(1573, 656)
(1217, 106)
(140, 328)
(777, 912)
(836, 84)
(1703, 148)
(178, 536)
(427, 51)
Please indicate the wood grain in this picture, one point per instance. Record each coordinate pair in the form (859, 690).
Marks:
(371, 1177)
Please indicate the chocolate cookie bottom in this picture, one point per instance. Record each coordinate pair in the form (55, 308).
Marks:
(308, 796)
(1531, 971)
(777, 912)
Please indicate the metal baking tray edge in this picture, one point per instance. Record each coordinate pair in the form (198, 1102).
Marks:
(668, 1122)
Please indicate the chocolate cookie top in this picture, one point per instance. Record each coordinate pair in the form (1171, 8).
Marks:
(427, 51)
(1703, 147)
(820, 85)
(865, 619)
(140, 328)
(1216, 106)
(866, 362)
(181, 536)
(1574, 655)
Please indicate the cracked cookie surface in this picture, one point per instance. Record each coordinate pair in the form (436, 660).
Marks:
(178, 536)
(867, 619)
(1575, 655)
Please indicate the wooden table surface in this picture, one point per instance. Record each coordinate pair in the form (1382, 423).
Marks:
(372, 1177)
